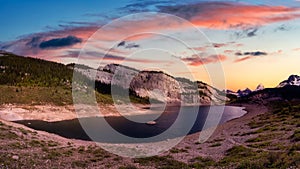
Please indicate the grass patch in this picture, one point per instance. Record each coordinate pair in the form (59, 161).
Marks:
(200, 162)
(80, 164)
(166, 162)
(256, 124)
(176, 150)
(260, 145)
(128, 167)
(240, 157)
(35, 95)
(216, 145)
(296, 136)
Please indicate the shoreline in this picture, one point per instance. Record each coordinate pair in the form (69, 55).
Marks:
(224, 133)
(54, 113)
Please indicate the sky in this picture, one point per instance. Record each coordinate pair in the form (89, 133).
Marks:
(228, 44)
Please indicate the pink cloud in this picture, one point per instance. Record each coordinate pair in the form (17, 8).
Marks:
(213, 15)
(195, 60)
(235, 16)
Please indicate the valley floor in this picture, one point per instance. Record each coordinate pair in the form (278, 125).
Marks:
(260, 139)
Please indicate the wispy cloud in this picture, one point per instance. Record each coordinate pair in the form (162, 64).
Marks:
(128, 45)
(196, 60)
(92, 55)
(224, 15)
(256, 53)
(228, 51)
(248, 55)
(226, 45)
(220, 45)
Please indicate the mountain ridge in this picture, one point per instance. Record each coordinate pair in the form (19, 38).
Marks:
(145, 83)
(27, 71)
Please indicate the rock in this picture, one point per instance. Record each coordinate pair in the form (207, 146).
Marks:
(151, 122)
(156, 85)
(15, 157)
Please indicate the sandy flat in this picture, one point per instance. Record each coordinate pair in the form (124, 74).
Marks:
(51, 113)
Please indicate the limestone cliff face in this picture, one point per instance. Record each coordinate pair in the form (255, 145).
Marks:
(156, 85)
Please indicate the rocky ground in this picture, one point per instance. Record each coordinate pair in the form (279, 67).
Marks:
(260, 139)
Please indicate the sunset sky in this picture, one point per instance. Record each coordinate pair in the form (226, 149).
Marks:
(249, 42)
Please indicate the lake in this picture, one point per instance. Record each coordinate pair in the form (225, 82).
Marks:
(171, 122)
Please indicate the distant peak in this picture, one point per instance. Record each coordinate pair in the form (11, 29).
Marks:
(293, 77)
(260, 87)
(293, 80)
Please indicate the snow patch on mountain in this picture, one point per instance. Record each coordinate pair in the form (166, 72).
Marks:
(293, 80)
(260, 87)
(245, 92)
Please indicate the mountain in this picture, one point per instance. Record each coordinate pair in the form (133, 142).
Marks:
(156, 84)
(246, 92)
(286, 90)
(31, 72)
(242, 93)
(286, 93)
(260, 87)
(293, 80)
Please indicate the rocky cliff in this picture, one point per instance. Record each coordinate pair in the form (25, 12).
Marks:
(156, 84)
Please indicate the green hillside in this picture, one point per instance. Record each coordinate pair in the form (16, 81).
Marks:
(24, 71)
(26, 80)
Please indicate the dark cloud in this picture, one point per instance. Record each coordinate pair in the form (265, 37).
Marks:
(128, 45)
(60, 42)
(70, 54)
(252, 32)
(257, 53)
(282, 27)
(188, 11)
(121, 44)
(219, 45)
(76, 23)
(93, 55)
(248, 55)
(132, 45)
(34, 42)
(231, 15)
(239, 54)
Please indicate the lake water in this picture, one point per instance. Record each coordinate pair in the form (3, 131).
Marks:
(171, 122)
